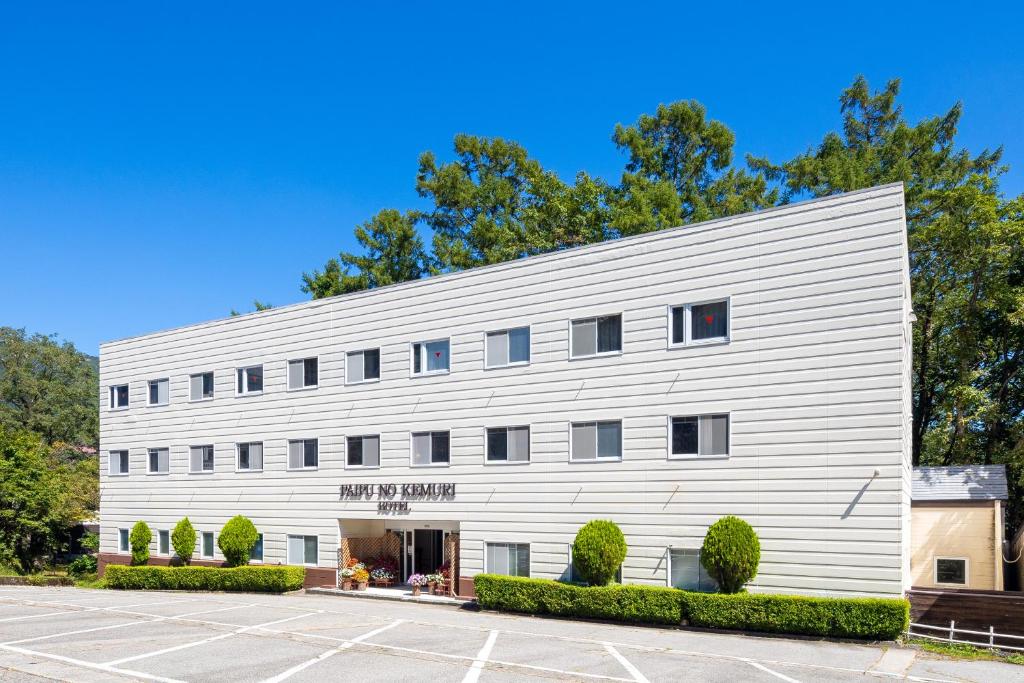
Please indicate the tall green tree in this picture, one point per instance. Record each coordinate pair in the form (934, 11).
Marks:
(48, 387)
(392, 252)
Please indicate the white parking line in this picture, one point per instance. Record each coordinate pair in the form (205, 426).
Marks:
(33, 616)
(473, 675)
(79, 631)
(330, 653)
(90, 665)
(773, 673)
(626, 664)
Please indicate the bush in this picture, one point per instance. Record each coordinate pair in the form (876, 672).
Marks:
(259, 579)
(140, 539)
(90, 541)
(236, 540)
(82, 565)
(598, 551)
(183, 538)
(731, 553)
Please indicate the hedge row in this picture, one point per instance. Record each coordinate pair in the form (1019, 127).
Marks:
(36, 580)
(257, 579)
(868, 618)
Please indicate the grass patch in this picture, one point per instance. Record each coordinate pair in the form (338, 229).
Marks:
(965, 651)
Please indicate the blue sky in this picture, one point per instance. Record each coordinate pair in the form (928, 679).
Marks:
(161, 163)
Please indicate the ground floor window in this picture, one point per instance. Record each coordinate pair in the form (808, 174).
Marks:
(951, 570)
(256, 554)
(686, 572)
(207, 549)
(163, 542)
(122, 540)
(510, 559)
(302, 550)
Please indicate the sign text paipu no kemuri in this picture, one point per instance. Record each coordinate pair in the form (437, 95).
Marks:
(396, 497)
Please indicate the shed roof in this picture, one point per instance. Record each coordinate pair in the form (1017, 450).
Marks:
(962, 482)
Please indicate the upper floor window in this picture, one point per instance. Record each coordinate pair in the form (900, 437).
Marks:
(700, 323)
(363, 451)
(596, 441)
(250, 457)
(303, 374)
(430, 357)
(200, 459)
(699, 435)
(159, 461)
(303, 454)
(200, 386)
(159, 392)
(118, 396)
(249, 380)
(508, 444)
(431, 448)
(362, 366)
(119, 462)
(507, 347)
(596, 336)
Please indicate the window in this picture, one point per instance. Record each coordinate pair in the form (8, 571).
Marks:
(159, 460)
(430, 448)
(303, 374)
(119, 462)
(596, 441)
(699, 435)
(699, 323)
(363, 451)
(122, 541)
(362, 366)
(508, 444)
(431, 357)
(951, 570)
(507, 347)
(118, 396)
(200, 386)
(201, 459)
(163, 542)
(686, 572)
(303, 454)
(207, 539)
(256, 554)
(509, 559)
(249, 380)
(596, 336)
(159, 392)
(250, 457)
(302, 550)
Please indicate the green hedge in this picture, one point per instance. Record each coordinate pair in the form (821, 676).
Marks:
(867, 618)
(257, 579)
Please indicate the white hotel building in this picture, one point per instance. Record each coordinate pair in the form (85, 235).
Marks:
(757, 365)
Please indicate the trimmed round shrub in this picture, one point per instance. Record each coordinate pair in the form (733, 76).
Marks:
(183, 538)
(598, 551)
(140, 538)
(731, 553)
(236, 540)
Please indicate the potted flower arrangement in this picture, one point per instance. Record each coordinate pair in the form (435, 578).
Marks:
(436, 583)
(346, 578)
(382, 576)
(362, 578)
(417, 581)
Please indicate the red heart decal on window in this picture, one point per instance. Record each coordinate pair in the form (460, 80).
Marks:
(437, 354)
(708, 319)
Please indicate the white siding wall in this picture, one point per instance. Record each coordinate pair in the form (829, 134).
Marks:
(815, 378)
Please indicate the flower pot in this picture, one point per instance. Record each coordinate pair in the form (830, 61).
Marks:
(439, 589)
(361, 586)
(430, 587)
(416, 591)
(346, 584)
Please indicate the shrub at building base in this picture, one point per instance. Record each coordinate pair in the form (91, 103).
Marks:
(731, 553)
(257, 579)
(183, 540)
(864, 618)
(236, 540)
(140, 538)
(598, 551)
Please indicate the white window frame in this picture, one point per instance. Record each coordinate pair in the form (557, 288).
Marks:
(202, 545)
(431, 432)
(163, 553)
(622, 440)
(245, 389)
(529, 550)
(377, 466)
(149, 389)
(668, 565)
(111, 393)
(202, 471)
(213, 382)
(510, 364)
(124, 541)
(287, 370)
(595, 318)
(261, 539)
(423, 358)
(288, 560)
(688, 326)
(967, 570)
(238, 455)
(529, 445)
(149, 462)
(349, 354)
(119, 473)
(305, 467)
(697, 455)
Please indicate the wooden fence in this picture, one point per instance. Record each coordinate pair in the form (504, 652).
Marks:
(971, 610)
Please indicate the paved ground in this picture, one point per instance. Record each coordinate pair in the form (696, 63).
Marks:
(83, 635)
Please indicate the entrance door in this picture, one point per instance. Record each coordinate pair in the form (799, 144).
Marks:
(428, 550)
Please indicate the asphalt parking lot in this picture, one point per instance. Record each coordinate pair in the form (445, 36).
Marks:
(93, 635)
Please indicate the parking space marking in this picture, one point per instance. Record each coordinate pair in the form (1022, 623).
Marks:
(90, 665)
(773, 673)
(330, 653)
(626, 664)
(473, 675)
(33, 616)
(82, 630)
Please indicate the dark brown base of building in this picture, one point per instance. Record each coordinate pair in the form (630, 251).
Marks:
(466, 589)
(316, 577)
